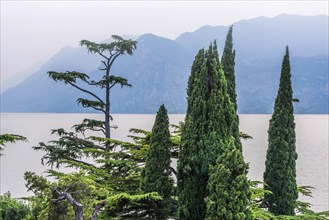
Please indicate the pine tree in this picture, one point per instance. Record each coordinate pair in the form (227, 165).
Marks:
(280, 172)
(228, 187)
(112, 165)
(156, 174)
(228, 63)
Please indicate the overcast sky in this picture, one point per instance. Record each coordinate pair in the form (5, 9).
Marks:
(33, 31)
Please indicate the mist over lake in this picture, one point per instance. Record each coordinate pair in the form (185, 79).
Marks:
(311, 130)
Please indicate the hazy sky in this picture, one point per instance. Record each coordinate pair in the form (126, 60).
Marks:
(33, 31)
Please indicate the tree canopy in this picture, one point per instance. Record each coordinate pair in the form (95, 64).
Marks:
(280, 171)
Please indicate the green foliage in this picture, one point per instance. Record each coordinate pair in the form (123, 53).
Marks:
(107, 167)
(206, 133)
(228, 63)
(9, 138)
(118, 47)
(280, 172)
(127, 206)
(303, 211)
(191, 182)
(256, 208)
(245, 136)
(80, 185)
(156, 174)
(106, 81)
(12, 209)
(228, 187)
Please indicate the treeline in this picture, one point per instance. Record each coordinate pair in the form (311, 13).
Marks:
(115, 179)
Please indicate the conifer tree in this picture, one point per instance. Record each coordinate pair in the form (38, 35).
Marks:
(228, 63)
(156, 174)
(228, 187)
(280, 172)
(207, 130)
(89, 147)
(191, 181)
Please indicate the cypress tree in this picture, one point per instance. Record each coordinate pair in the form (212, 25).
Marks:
(156, 174)
(206, 134)
(190, 181)
(228, 187)
(220, 111)
(228, 63)
(280, 172)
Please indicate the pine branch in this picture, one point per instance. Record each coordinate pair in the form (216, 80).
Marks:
(88, 92)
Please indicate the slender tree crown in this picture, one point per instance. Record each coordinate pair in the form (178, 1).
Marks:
(109, 53)
(156, 174)
(111, 175)
(228, 63)
(206, 131)
(190, 179)
(280, 172)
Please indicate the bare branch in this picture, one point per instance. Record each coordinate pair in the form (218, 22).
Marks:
(113, 85)
(104, 63)
(86, 91)
(98, 109)
(76, 205)
(97, 209)
(105, 57)
(173, 171)
(114, 57)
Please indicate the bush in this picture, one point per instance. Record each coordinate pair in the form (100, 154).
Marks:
(12, 209)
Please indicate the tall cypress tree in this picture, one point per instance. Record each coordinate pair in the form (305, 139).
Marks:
(228, 63)
(280, 172)
(156, 174)
(220, 111)
(191, 180)
(206, 132)
(228, 188)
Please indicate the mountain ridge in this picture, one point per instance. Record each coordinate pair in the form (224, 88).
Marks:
(159, 69)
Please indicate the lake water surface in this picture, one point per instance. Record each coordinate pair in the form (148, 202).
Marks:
(312, 146)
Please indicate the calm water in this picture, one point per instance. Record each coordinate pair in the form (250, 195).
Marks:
(312, 146)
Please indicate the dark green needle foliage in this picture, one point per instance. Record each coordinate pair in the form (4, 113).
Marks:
(280, 172)
(205, 135)
(190, 179)
(9, 138)
(156, 174)
(87, 83)
(228, 63)
(112, 166)
(228, 187)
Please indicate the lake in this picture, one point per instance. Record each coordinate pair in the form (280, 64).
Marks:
(312, 146)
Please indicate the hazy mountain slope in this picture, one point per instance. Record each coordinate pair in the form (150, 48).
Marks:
(158, 71)
(258, 83)
(266, 37)
(19, 77)
(159, 68)
(259, 45)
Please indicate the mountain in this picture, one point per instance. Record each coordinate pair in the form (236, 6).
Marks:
(265, 37)
(19, 77)
(159, 69)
